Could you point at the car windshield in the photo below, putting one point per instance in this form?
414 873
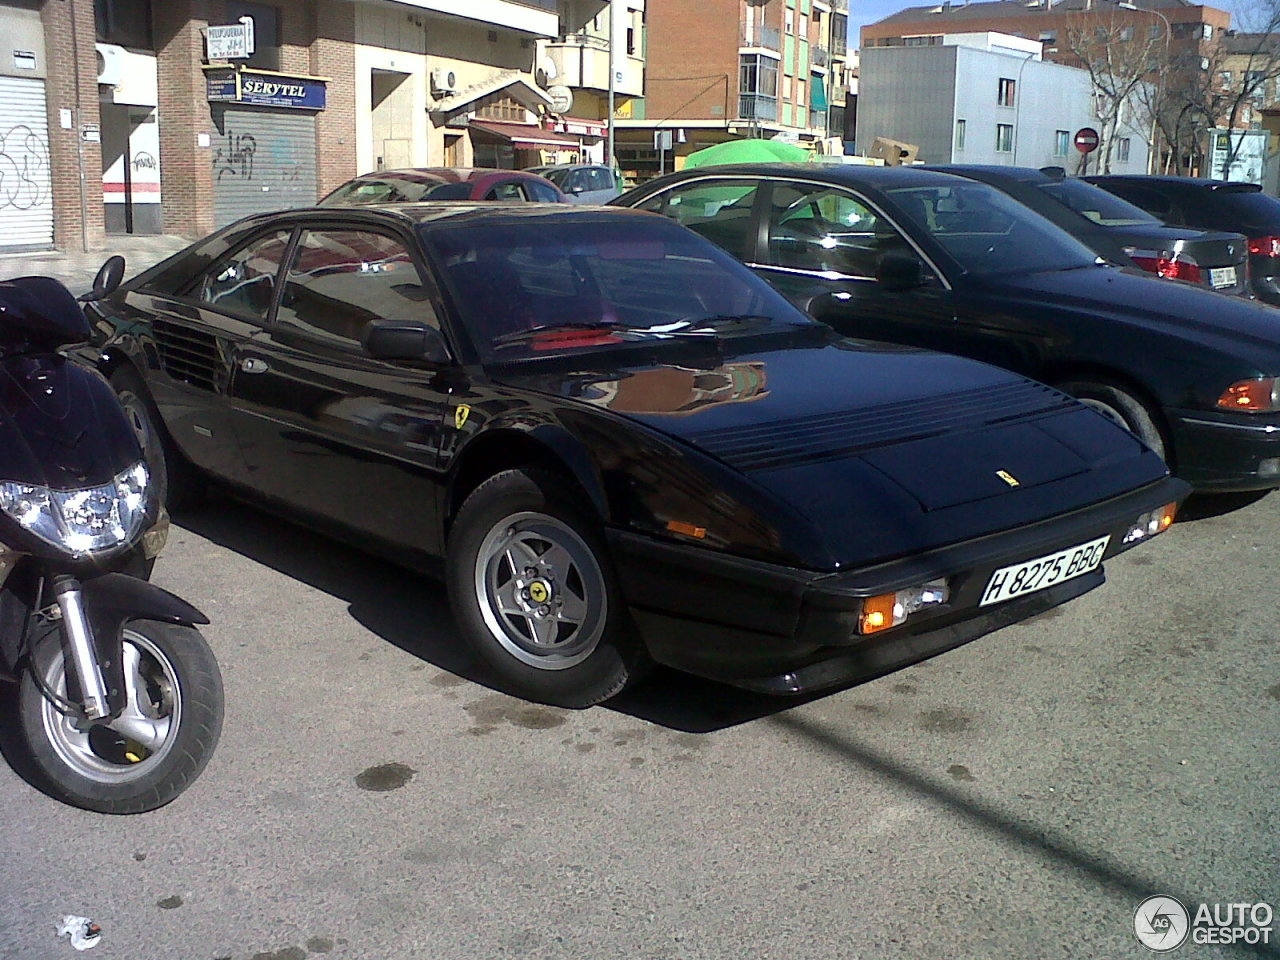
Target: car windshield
555 176
1253 209
987 232
529 287
1097 204
358 192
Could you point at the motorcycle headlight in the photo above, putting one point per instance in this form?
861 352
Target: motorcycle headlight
81 521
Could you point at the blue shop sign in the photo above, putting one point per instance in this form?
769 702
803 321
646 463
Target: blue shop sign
266 90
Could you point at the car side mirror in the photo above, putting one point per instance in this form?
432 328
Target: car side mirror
900 271
404 340
108 279
832 303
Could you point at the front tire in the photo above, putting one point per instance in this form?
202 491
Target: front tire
535 595
154 750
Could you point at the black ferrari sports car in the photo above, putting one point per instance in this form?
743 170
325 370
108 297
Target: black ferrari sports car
618 445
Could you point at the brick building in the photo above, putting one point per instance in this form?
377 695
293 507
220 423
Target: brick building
719 70
114 118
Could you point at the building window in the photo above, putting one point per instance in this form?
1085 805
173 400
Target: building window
757 87
1206 31
959 134
1006 92
1004 137
839 34
1126 34
1061 141
790 21
266 32
1122 150
495 107
1204 63
126 22
1225 77
1049 38
1154 31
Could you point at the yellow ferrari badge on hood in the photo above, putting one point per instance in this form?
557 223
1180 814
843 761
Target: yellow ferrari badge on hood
460 414
1008 478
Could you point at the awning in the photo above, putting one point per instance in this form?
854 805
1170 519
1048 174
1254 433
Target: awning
523 136
817 93
517 85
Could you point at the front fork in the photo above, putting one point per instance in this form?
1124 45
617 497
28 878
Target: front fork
79 636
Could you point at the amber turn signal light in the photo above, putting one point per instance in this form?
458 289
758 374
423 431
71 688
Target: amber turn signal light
1251 396
877 613
686 529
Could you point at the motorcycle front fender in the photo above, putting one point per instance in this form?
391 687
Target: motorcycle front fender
112 600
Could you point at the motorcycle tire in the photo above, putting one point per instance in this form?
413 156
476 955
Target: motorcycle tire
154 750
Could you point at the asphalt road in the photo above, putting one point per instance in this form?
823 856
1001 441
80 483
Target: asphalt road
373 798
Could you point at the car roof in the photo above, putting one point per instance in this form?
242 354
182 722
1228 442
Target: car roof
441 174
995 171
446 211
1189 183
854 175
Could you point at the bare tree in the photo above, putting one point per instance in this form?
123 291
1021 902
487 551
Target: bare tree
1120 54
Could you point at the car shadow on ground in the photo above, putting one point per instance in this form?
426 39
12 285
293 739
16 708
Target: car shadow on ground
411 612
1203 506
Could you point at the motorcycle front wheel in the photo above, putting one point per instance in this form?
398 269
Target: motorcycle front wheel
156 747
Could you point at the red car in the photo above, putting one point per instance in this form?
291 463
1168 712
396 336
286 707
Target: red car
444 183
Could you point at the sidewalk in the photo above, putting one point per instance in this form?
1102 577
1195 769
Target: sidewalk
77 270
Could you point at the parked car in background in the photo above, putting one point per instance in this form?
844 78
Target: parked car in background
583 182
618 444
444 183
1213 205
919 257
1121 232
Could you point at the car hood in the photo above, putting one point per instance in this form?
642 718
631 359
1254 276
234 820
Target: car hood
884 450
1170 309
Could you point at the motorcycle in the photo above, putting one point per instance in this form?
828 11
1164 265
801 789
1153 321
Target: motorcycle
113 698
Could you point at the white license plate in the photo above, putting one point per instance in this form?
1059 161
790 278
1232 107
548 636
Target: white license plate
1222 277
1043 572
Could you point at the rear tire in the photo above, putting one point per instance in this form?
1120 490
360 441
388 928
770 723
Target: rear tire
535 595
1122 409
180 484
157 747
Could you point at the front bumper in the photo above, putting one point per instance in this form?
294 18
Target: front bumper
786 630
1225 452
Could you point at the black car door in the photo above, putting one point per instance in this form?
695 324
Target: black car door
333 433
823 239
200 315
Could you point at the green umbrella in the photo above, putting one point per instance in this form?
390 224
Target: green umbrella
747 151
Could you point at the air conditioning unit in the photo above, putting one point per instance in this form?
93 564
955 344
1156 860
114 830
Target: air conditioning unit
111 62
443 81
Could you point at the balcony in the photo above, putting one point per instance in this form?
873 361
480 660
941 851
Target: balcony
839 6
755 107
818 55
758 35
582 60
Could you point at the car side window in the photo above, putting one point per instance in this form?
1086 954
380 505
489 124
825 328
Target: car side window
243 282
600 178
1154 203
542 192
507 190
339 280
812 227
720 210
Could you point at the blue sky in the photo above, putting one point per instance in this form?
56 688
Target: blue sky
869 11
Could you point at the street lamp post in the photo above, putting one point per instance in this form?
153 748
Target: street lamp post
1168 30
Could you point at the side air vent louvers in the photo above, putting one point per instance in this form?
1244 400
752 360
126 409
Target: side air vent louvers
838 435
190 356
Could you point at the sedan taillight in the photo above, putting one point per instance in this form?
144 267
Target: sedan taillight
1264 246
1172 266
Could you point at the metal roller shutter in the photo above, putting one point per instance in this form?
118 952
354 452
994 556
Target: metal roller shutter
26 199
263 160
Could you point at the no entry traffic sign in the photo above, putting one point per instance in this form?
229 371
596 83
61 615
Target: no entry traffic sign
1086 139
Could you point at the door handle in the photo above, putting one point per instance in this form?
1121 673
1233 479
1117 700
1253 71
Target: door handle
253 365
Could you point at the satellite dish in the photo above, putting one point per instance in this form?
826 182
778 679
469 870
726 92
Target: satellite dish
561 98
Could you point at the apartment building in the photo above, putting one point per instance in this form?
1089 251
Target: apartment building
987 98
